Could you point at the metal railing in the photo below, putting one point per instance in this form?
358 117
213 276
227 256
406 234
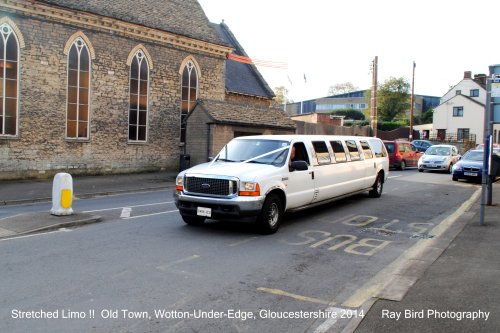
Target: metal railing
452 137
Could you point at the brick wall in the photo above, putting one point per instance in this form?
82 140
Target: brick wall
41 148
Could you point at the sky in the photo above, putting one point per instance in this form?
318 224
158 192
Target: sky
335 41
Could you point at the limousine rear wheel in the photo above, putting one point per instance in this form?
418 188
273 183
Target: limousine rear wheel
271 215
377 187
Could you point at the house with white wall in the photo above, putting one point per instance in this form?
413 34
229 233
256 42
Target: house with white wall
461 112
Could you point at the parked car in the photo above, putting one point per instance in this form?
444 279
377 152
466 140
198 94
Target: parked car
470 166
422 145
439 157
402 154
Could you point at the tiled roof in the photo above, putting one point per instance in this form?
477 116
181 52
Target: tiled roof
242 78
182 17
223 112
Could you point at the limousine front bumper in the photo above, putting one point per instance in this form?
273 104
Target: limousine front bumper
220 208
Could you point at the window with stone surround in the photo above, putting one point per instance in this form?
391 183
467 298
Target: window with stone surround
138 110
77 117
9 81
189 94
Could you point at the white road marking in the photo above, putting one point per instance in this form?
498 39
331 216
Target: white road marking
139 216
376 284
126 211
330 321
390 177
8 217
35 235
295 296
116 208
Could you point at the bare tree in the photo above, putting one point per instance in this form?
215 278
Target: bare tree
341 88
281 96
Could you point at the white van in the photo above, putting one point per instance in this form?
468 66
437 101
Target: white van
267 175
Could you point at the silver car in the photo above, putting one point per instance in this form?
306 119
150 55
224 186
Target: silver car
439 157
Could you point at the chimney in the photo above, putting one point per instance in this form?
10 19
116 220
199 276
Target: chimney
480 78
467 75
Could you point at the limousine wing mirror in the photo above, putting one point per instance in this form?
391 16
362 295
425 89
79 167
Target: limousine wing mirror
299 166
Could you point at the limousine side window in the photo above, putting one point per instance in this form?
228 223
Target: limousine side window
322 153
353 150
300 153
338 151
367 152
378 148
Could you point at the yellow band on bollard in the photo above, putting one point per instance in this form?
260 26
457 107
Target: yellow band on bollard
66 198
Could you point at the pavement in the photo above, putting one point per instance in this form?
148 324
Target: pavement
457 292
450 285
32 191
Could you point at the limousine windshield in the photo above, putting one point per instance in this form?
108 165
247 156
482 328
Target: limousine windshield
255 151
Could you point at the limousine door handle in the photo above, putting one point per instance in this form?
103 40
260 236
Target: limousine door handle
312 174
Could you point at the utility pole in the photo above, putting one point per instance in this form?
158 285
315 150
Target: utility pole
492 116
374 97
412 101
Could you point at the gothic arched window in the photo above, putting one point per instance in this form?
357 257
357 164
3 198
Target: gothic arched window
189 94
9 81
78 120
138 110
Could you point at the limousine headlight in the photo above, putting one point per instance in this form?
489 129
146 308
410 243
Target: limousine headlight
249 189
179 183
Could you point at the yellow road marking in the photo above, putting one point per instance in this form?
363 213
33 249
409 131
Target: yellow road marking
243 241
295 296
180 261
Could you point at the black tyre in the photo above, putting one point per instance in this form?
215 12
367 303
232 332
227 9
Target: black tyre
271 215
455 178
193 220
420 170
377 187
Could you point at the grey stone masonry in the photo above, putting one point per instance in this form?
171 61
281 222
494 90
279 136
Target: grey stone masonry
41 149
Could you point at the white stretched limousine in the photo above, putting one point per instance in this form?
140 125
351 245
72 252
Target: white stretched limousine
267 175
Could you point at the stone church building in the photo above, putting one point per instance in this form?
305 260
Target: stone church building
93 87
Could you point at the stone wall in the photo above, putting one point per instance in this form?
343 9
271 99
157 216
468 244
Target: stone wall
242 99
41 149
197 137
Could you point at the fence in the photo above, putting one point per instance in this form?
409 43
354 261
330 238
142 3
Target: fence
327 129
452 137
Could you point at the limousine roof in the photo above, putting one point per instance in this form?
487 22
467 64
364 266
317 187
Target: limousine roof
292 137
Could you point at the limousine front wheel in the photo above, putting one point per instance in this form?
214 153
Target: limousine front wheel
377 187
270 217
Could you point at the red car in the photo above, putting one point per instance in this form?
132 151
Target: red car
402 154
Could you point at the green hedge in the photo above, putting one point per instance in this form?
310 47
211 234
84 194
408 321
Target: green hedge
390 125
349 114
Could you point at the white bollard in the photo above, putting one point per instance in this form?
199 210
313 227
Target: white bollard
62 194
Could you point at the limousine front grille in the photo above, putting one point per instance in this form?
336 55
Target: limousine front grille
211 186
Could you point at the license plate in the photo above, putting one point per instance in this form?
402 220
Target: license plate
472 174
204 211
433 166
